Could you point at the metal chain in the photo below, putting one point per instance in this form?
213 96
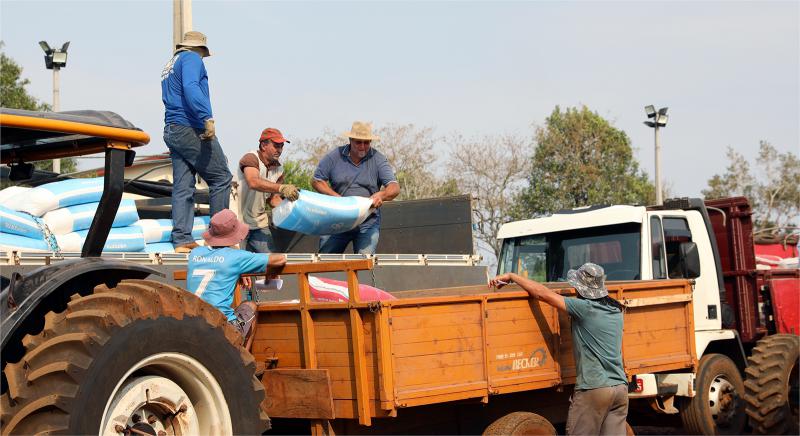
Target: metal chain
49 237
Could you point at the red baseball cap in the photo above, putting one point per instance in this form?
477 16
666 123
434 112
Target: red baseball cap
273 134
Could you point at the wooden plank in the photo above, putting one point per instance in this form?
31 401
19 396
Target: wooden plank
655 301
399 311
446 346
384 360
298 393
439 334
440 360
427 322
430 390
352 287
359 349
439 376
333 266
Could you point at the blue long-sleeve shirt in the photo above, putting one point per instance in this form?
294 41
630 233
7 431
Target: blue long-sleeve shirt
184 90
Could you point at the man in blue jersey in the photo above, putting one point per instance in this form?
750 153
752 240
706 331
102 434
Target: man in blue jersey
215 268
599 405
189 133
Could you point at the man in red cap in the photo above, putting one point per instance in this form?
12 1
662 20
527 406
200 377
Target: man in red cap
215 268
261 181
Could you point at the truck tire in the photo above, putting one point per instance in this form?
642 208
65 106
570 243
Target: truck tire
142 353
718 405
771 385
520 423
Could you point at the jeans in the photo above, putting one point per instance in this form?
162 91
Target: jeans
601 411
259 241
364 238
191 156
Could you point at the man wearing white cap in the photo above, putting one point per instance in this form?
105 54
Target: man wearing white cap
599 405
190 135
356 169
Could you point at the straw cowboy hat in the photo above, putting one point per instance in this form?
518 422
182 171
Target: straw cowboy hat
589 280
361 130
193 38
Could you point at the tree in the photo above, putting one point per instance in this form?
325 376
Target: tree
774 192
581 159
492 169
408 149
13 95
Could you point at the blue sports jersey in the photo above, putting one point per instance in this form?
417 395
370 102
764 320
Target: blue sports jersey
213 274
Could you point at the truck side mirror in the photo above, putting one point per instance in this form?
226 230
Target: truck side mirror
690 260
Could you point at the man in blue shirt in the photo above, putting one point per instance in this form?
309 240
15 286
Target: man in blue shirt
599 405
356 169
215 268
189 133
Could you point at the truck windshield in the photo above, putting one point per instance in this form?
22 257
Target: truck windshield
548 257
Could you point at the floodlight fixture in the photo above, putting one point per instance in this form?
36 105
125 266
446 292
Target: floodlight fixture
662 111
661 119
54 58
650 110
650 124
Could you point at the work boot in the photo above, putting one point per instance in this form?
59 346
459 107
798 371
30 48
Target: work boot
185 248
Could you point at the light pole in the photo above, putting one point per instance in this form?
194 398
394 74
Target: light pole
181 21
659 120
55 59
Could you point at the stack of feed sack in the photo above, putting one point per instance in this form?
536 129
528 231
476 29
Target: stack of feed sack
158 233
64 209
319 214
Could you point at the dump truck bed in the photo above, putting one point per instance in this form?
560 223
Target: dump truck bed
365 360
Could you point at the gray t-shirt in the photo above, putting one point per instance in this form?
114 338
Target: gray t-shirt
596 343
367 178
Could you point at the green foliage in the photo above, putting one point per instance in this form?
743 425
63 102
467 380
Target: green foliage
297 174
581 159
774 193
13 95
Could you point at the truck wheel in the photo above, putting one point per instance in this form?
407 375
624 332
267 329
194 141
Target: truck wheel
143 354
772 386
520 423
718 405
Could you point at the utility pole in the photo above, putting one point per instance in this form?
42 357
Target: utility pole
55 59
181 20
659 118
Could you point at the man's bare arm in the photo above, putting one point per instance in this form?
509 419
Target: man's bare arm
533 288
254 181
322 187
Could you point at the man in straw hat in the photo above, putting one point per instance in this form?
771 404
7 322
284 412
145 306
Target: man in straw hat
215 268
189 133
599 405
356 169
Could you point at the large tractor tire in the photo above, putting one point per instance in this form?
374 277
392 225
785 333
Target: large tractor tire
718 405
520 423
142 355
772 385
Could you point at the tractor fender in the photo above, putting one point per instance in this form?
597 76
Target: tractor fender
52 285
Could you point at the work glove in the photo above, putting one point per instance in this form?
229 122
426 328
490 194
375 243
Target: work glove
210 130
289 192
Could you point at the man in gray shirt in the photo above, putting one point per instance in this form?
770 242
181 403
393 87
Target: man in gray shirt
356 169
599 405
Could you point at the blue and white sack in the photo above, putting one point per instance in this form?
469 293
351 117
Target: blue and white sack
11 191
41 199
20 223
160 230
159 247
319 214
79 217
120 239
9 242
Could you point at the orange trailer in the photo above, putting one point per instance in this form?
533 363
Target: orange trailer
364 367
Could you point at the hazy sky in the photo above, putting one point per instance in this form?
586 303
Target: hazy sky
728 71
